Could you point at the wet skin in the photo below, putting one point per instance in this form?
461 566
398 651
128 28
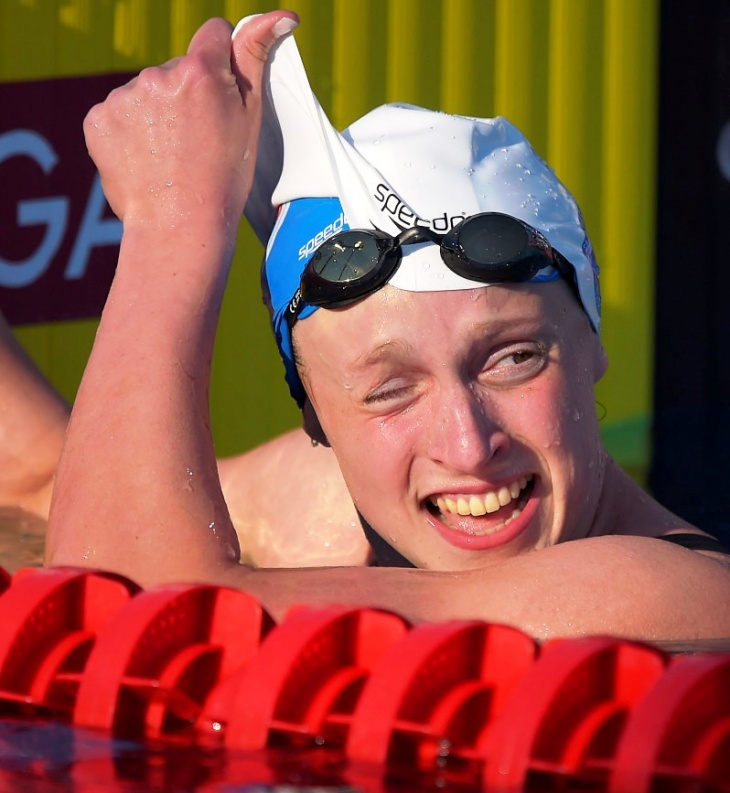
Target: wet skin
429 399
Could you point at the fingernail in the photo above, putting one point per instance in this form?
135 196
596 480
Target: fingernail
283 26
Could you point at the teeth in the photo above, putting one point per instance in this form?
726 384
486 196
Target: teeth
486 504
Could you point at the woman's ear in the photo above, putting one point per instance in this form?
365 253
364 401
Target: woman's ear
310 422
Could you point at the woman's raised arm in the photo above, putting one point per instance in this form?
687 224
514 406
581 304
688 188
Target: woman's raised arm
137 488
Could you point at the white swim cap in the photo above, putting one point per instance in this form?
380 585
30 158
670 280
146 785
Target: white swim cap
397 166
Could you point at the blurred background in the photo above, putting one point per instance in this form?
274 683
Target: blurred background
626 99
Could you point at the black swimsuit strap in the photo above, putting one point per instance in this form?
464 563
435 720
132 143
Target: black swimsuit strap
697 542
385 554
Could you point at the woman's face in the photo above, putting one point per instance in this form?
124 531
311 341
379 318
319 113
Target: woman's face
463 421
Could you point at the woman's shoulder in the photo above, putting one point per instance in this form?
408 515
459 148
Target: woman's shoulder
290 505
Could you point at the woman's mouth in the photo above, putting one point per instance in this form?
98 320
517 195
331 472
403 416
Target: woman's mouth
502 506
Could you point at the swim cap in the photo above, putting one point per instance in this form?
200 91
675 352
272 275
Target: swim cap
396 166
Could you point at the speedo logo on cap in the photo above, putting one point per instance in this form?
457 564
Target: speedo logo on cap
393 205
328 231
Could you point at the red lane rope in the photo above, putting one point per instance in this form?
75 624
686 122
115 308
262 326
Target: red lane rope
479 704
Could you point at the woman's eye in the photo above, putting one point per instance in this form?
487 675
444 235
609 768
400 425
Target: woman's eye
517 363
387 393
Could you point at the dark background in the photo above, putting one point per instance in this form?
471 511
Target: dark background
690 470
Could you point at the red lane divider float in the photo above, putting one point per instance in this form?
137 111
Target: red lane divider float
680 729
567 712
302 685
356 694
49 621
151 670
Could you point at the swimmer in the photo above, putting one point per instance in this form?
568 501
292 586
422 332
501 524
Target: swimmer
462 417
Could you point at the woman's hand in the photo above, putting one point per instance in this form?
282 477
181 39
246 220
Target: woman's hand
180 139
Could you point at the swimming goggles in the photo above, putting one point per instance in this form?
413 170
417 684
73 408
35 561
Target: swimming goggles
489 248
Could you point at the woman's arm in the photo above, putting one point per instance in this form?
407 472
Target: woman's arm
137 488
627 586
32 429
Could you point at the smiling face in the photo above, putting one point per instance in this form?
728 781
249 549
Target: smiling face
464 421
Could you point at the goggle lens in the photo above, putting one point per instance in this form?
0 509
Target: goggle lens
348 257
488 240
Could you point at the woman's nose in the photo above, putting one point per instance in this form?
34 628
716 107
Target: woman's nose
466 434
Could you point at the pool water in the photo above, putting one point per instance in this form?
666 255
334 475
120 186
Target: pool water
48 757
22 538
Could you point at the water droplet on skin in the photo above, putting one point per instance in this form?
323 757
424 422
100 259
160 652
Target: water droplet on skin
168 184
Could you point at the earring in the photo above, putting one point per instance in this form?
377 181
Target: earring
314 443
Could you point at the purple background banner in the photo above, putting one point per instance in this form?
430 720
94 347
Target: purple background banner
58 238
